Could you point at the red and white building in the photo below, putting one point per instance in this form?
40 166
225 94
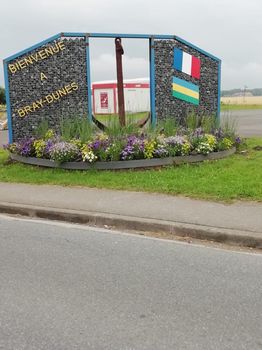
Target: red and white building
136 92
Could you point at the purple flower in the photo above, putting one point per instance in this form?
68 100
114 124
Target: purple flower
127 152
25 147
99 144
218 133
48 146
134 148
161 152
199 132
238 140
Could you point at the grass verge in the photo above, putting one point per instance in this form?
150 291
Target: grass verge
238 107
112 118
238 177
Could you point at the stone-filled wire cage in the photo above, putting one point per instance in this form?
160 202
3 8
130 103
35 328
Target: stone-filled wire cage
51 80
186 80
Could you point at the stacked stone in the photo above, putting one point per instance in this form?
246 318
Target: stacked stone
60 70
169 106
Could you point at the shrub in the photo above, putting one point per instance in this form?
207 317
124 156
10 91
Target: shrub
225 144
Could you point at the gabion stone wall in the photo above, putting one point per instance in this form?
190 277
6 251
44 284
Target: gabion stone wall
169 106
48 83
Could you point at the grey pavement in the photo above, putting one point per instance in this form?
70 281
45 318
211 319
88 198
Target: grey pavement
3 137
65 287
239 216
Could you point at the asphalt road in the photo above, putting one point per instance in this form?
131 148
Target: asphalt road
66 287
248 122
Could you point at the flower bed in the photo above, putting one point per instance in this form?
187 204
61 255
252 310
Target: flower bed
130 164
140 149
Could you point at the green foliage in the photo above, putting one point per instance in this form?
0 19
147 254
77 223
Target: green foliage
2 96
114 150
229 126
224 144
239 107
115 130
192 121
42 129
169 126
207 123
76 128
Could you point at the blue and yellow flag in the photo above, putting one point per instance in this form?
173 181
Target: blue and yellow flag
185 91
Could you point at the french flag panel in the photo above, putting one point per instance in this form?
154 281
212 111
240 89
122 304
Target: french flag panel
187 63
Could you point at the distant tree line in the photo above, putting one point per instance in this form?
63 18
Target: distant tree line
2 96
228 93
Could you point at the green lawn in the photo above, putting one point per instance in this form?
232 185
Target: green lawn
107 118
239 107
236 177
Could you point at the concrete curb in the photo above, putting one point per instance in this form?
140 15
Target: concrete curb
221 235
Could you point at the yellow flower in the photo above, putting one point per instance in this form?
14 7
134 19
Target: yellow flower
211 140
149 149
49 134
39 146
227 143
186 148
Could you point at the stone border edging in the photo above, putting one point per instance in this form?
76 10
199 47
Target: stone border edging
126 164
229 236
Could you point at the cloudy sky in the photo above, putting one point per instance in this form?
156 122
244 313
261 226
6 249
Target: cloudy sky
229 29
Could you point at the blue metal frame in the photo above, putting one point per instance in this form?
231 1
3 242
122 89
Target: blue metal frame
111 35
88 79
219 91
8 105
142 36
151 39
152 81
182 41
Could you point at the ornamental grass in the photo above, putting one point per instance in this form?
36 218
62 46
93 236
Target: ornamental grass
80 141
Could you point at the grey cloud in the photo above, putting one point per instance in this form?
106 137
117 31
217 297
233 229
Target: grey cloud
228 29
